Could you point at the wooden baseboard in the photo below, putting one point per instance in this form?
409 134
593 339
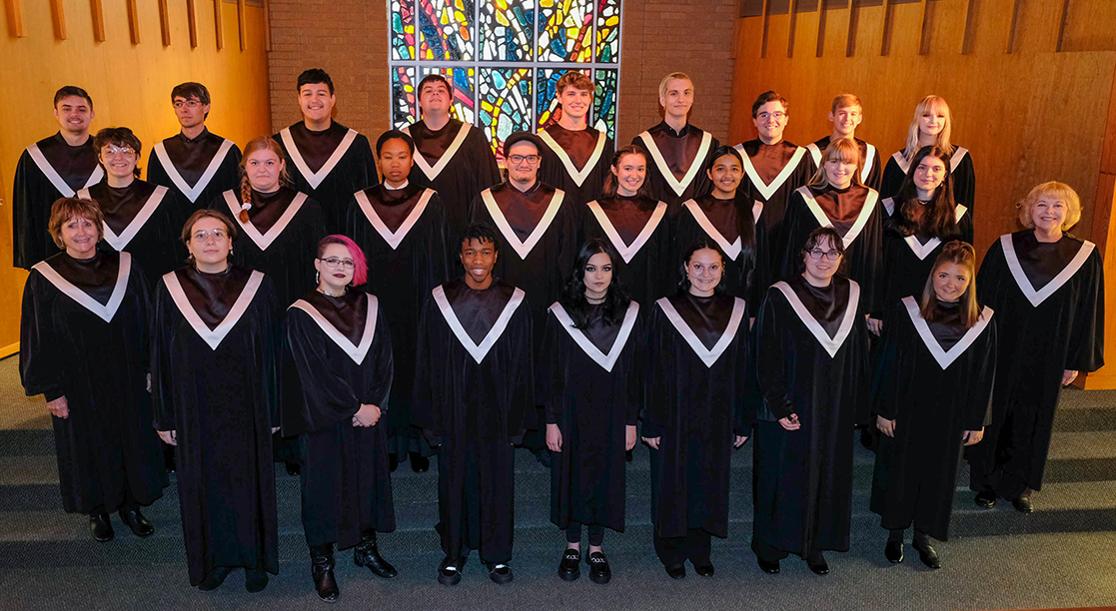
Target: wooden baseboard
9 350
1105 379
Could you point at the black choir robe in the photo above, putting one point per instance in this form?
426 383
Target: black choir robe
84 335
639 229
146 220
576 162
676 161
813 347
858 218
960 169
213 379
1049 303
47 170
695 402
735 227
340 348
772 172
937 383
474 396
590 382
457 162
402 233
871 173
329 166
908 258
280 238
198 169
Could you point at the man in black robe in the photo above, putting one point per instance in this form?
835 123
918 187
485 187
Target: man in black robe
326 160
196 163
473 398
845 114
576 157
54 167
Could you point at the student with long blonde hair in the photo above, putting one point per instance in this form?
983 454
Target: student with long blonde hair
932 125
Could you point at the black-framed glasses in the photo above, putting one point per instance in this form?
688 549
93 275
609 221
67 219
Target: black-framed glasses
816 254
338 262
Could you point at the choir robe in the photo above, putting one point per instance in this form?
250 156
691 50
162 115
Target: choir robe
46 171
639 230
772 172
871 173
726 223
695 404
146 220
577 162
474 396
84 335
814 363
590 382
858 218
908 258
1049 303
213 370
457 162
329 166
402 233
198 169
677 161
960 169
937 383
341 350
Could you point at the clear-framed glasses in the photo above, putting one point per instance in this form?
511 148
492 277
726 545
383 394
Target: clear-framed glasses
191 104
113 150
203 235
816 254
337 262
777 115
519 159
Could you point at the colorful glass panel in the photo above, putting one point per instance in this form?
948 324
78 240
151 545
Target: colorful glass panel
447 30
404 109
402 20
604 100
464 80
504 102
608 31
506 30
565 31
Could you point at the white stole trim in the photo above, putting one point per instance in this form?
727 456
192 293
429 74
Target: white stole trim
823 220
628 251
524 247
919 249
757 211
193 192
955 159
889 206
1036 297
606 361
120 242
731 249
432 171
477 351
55 178
357 352
263 240
945 358
708 356
316 178
815 153
767 190
577 175
678 186
830 344
901 161
393 238
213 337
103 311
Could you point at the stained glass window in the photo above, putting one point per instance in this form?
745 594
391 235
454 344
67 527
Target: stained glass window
504 58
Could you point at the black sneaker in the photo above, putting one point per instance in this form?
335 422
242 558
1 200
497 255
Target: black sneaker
599 572
499 572
569 569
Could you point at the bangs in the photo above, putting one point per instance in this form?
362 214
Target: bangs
845 152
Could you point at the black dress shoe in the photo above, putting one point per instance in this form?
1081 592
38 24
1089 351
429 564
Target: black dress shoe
771 568
321 571
255 580
705 570
678 571
419 463
599 571
817 564
449 571
393 462
367 553
499 572
293 468
569 569
214 578
133 519
928 555
985 499
542 457
101 527
894 551
1022 503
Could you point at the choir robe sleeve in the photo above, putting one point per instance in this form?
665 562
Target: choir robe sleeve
1086 344
426 409
978 410
40 365
31 192
655 414
771 367
550 375
162 336
796 230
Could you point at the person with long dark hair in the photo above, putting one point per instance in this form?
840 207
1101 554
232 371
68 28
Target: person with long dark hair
590 384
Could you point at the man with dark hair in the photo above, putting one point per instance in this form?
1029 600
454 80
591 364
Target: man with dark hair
473 399
454 158
576 156
51 168
326 160
195 163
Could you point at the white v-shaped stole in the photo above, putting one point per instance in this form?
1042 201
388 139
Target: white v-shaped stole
119 242
830 344
103 311
823 220
577 175
678 186
943 357
921 250
357 352
393 238
767 190
522 247
316 178
55 178
1038 296
732 249
475 350
606 361
193 192
432 171
263 240
708 356
628 251
213 337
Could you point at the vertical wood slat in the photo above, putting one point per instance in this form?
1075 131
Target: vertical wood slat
885 37
793 27
192 23
820 50
58 19
13 10
219 28
242 24
1062 20
1013 30
763 37
97 9
924 29
164 23
854 18
133 22
267 25
970 28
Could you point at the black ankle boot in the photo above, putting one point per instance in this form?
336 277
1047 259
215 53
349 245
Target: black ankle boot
367 554
321 570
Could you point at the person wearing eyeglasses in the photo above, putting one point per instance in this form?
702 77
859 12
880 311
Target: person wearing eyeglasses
575 158
216 396
140 217
339 343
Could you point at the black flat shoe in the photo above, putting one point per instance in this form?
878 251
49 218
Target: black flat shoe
985 499
293 468
255 580
1022 504
214 578
599 571
569 569
393 462
367 554
928 555
419 463
771 568
705 570
818 564
449 571
677 571
893 551
133 519
499 572
101 527
321 571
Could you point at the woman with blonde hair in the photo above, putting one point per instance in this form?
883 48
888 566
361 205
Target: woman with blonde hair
932 125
